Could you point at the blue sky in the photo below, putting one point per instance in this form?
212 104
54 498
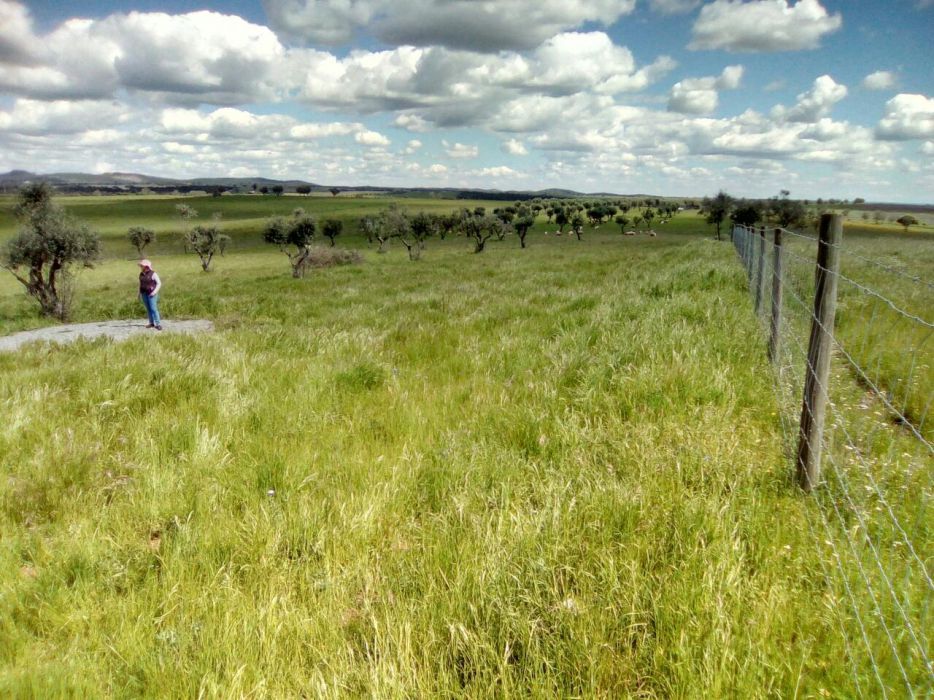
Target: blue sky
674 97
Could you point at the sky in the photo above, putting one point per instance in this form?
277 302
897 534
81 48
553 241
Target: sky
823 98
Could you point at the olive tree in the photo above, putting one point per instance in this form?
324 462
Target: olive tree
648 216
480 227
906 221
787 212
447 224
747 214
331 229
717 209
367 226
49 246
207 241
140 237
391 223
185 213
524 221
297 232
421 227
561 218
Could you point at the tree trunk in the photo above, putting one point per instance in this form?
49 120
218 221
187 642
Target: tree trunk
299 262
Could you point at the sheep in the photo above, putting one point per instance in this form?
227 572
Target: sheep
630 233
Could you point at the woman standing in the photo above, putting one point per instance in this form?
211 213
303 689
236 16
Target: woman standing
149 286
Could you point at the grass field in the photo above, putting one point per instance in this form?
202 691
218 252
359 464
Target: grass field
241 216
555 472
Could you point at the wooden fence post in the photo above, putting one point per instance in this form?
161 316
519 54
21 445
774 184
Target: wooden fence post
820 347
748 257
760 270
777 291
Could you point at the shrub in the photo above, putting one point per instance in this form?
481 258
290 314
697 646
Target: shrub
331 257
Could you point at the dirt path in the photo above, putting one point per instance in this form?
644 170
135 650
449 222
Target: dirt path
117 330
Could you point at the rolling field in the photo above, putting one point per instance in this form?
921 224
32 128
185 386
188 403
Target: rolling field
555 472
241 216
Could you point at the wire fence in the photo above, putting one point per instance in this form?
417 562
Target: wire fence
869 461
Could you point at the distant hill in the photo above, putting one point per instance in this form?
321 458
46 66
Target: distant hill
134 182
81 182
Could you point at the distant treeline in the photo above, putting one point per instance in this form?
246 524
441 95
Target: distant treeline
502 196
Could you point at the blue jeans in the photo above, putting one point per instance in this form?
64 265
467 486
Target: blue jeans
152 308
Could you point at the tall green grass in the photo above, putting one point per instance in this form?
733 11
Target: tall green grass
870 514
551 472
885 297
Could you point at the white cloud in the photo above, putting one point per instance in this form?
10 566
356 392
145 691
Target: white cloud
18 45
412 147
701 95
530 113
200 56
463 24
880 80
310 131
762 25
460 150
458 88
928 148
364 80
60 116
815 103
225 125
568 62
498 171
907 117
371 138
825 130
437 169
411 122
515 147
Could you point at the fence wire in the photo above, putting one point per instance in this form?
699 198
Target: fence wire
870 516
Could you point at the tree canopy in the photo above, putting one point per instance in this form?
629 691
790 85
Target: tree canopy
717 209
48 247
298 232
906 221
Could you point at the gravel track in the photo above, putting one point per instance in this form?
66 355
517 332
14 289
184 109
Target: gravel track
116 330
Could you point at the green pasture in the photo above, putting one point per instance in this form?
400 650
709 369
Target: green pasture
552 472
240 216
